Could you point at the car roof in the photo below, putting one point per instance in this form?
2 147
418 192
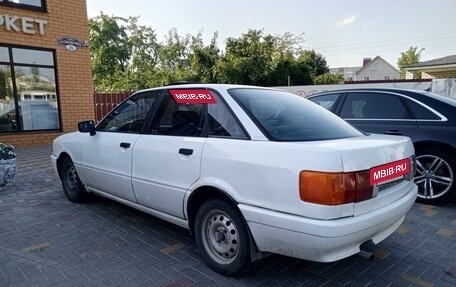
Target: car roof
406 92
372 89
209 86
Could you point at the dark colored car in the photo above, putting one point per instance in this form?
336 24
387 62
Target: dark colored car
428 119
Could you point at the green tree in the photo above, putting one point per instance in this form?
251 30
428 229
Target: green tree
128 56
5 83
125 55
267 60
290 72
315 61
203 59
247 60
110 49
407 58
329 79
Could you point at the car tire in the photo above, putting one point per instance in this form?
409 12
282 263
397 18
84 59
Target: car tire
435 176
222 237
72 186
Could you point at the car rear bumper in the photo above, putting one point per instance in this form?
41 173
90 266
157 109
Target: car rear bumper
324 240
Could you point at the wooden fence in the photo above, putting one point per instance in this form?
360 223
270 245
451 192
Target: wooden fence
104 103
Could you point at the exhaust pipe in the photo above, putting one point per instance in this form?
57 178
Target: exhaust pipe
367 255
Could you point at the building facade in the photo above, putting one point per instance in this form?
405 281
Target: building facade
439 68
45 72
347 72
377 69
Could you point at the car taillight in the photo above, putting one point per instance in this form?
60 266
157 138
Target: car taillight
334 188
410 176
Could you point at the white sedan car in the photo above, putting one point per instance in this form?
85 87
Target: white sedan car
248 170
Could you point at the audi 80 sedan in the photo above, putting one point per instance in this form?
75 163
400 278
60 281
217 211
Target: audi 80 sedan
248 170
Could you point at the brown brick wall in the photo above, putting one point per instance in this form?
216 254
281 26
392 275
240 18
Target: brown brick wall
75 91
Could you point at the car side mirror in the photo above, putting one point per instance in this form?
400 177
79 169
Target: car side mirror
87 127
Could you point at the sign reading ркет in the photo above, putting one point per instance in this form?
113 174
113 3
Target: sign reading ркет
193 96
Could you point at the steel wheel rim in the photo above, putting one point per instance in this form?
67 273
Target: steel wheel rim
72 180
434 176
220 237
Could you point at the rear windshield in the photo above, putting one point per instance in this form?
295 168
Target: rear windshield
286 117
447 100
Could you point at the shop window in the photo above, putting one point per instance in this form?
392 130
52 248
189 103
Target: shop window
35 57
4 55
28 91
31 4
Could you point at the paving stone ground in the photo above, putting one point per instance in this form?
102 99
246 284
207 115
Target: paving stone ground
46 240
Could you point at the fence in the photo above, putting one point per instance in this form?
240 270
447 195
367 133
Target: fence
104 103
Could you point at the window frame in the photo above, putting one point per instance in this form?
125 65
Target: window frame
158 113
205 129
12 66
372 94
150 112
230 111
334 105
9 3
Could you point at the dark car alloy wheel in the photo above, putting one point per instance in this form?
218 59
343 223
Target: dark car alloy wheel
434 177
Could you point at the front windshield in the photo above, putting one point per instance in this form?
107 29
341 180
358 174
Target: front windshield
286 117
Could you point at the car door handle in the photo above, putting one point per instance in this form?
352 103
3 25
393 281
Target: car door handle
186 151
393 132
125 145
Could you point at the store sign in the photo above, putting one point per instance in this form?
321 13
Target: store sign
71 44
25 25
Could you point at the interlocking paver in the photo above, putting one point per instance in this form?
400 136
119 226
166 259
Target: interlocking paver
46 240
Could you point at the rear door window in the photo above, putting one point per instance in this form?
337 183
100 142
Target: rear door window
177 119
367 105
222 123
326 101
420 112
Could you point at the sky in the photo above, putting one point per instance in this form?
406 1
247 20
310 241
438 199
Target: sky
343 31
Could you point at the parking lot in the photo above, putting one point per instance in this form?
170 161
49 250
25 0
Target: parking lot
46 240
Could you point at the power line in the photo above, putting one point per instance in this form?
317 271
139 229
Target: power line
401 40
391 47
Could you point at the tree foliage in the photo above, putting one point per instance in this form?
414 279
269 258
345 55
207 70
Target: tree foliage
407 58
128 56
110 48
5 85
315 61
329 79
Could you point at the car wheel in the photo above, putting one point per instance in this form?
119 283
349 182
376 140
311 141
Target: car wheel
435 172
72 186
222 237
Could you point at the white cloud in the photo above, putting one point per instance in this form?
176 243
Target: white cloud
347 21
